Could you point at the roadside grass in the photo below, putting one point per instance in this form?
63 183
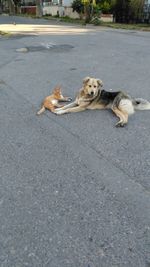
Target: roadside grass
139 27
64 19
32 16
49 17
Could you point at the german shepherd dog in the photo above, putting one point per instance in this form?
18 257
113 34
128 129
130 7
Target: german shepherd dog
91 96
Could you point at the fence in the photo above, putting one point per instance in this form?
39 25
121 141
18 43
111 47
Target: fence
146 13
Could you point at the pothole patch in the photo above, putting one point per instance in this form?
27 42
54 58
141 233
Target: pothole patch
46 48
22 50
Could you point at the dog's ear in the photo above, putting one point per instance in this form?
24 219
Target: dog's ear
86 79
100 83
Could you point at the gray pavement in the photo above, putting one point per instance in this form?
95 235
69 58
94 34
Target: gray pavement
74 190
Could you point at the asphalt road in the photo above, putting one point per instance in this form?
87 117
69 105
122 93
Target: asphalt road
74 190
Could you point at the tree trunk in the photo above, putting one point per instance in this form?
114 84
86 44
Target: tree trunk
11 7
39 11
87 13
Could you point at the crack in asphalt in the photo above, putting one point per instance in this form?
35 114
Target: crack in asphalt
8 62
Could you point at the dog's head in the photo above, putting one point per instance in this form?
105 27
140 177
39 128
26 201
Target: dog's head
92 86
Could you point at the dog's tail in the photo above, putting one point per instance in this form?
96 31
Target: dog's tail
141 104
41 110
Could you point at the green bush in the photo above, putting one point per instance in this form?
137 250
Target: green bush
127 11
17 2
78 6
96 21
96 11
105 7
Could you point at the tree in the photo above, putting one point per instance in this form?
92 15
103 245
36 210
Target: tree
88 10
83 7
126 11
78 6
120 10
17 2
136 9
105 7
39 11
11 5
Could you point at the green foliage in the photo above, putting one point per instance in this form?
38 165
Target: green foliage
78 6
136 8
96 11
101 2
113 4
96 21
121 10
90 10
88 7
17 2
105 7
127 10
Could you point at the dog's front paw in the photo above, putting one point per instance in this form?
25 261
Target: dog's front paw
57 109
59 112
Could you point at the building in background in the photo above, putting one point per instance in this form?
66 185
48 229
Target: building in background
28 6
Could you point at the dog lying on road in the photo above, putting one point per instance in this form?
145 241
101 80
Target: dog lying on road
91 96
52 101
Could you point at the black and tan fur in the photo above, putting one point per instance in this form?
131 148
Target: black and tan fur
91 96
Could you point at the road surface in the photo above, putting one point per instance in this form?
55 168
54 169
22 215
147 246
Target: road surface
74 190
